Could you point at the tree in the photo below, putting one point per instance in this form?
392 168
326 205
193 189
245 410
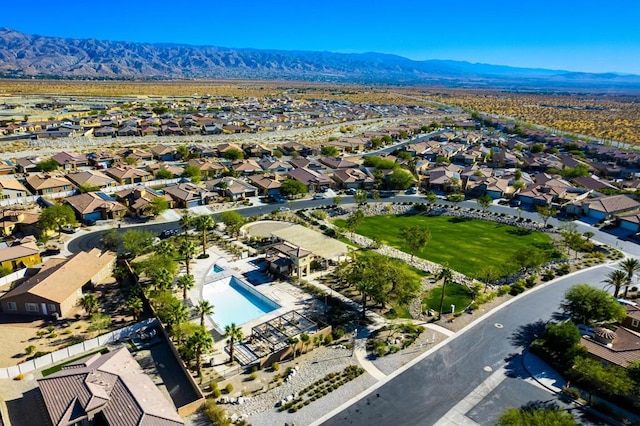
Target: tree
305 339
572 238
200 342
293 341
234 334
185 282
175 313
546 213
165 248
291 187
360 196
187 250
588 235
134 304
136 241
162 279
400 179
527 257
111 240
536 416
415 237
233 154
354 220
365 272
192 173
98 322
232 220
47 166
89 303
431 197
616 279
183 152
86 188
485 202
204 308
186 222
455 197
277 153
445 275
204 223
163 174
329 151
157 205
561 342
56 216
596 378
630 266
589 305
337 200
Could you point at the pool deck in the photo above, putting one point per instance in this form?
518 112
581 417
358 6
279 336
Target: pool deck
284 294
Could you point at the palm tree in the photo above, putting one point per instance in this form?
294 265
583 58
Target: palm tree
304 338
616 279
187 250
165 248
204 223
176 313
89 303
293 341
186 221
204 308
186 282
163 279
134 304
234 334
630 266
200 342
445 275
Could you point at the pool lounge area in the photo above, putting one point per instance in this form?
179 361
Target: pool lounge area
234 300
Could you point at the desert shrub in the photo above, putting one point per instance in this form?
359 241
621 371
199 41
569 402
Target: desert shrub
548 275
275 366
328 339
563 269
338 332
504 289
530 281
253 376
229 388
516 288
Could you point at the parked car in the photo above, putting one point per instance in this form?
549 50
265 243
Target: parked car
412 190
351 191
319 197
168 233
69 229
88 222
284 209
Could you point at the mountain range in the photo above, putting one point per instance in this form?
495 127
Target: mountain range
27 56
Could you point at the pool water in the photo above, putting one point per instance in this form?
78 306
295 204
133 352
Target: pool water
217 269
235 301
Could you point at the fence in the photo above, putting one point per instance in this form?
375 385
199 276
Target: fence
74 350
13 276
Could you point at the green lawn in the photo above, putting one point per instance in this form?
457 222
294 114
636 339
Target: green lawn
455 294
465 245
58 367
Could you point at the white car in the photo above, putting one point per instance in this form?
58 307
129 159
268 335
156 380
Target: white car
319 197
284 209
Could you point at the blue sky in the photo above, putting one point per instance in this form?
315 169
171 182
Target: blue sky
591 36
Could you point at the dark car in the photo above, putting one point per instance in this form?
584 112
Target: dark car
89 222
168 233
514 202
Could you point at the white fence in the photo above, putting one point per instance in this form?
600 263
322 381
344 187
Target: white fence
75 350
13 276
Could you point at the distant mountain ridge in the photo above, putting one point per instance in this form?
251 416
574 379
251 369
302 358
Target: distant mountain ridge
24 55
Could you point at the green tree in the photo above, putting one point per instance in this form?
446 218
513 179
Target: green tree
89 303
400 179
157 205
187 250
99 322
596 378
365 274
589 305
305 339
134 304
165 248
360 196
47 166
536 416
527 258
234 334
337 200
186 222
630 266
163 174
561 342
183 152
86 188
55 217
233 154
353 221
200 342
546 213
185 282
277 153
572 238
111 240
192 173
293 342
616 279
329 151
204 308
485 202
232 220
204 223
455 197
445 275
291 187
162 279
137 242
415 237
431 197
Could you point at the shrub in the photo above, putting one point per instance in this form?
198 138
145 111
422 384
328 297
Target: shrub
20 376
253 376
504 289
516 288
563 269
215 393
328 339
338 332
229 388
275 366
548 275
530 281
254 368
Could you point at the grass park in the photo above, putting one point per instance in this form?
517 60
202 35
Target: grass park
465 245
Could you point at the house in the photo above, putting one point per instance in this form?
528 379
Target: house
91 179
444 178
137 154
28 164
284 259
233 188
314 181
20 254
273 165
68 161
353 178
106 389
57 287
620 347
95 206
337 163
127 175
174 170
604 207
11 188
7 167
138 199
267 185
186 195
632 320
102 159
104 132
246 167
19 222
45 184
163 152
207 168
224 147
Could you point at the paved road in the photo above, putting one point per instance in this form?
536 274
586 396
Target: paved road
427 391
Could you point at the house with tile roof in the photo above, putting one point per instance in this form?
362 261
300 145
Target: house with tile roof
109 389
12 188
20 254
620 347
604 207
95 206
353 178
314 181
57 287
127 175
92 179
187 194
138 199
267 185
70 161
44 184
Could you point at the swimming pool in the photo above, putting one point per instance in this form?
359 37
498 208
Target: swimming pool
217 268
235 301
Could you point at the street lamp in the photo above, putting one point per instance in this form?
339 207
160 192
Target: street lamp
353 346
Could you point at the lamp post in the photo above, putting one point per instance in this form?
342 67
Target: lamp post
353 346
